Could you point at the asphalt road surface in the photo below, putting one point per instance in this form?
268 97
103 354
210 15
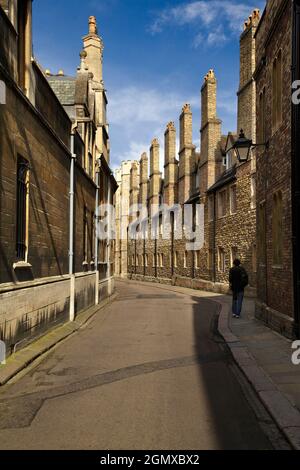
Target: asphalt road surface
148 372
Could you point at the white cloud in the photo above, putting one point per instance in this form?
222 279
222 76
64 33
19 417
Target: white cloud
217 37
132 105
198 40
137 115
227 102
205 16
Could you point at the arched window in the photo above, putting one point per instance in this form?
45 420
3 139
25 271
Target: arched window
262 117
262 233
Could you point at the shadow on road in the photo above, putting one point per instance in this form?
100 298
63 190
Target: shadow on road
233 420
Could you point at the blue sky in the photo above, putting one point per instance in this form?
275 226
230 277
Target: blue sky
156 55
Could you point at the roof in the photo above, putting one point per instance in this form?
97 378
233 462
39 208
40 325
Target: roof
227 177
230 140
194 198
64 88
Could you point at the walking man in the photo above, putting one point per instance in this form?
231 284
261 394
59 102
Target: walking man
238 280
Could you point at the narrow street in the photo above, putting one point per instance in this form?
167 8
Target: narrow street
148 372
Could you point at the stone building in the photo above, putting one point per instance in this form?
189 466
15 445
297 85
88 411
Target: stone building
121 204
50 269
278 189
213 178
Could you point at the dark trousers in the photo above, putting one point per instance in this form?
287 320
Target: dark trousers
237 303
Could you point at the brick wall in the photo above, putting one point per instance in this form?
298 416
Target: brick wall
275 283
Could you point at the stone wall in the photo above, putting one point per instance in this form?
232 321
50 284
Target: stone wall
29 310
275 303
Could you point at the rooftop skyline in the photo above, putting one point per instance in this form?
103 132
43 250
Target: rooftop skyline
155 59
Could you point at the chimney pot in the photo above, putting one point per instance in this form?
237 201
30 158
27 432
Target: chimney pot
171 126
186 108
93 25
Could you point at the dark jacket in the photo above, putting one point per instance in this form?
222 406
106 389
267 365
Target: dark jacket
238 279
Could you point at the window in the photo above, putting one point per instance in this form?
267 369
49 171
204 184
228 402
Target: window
22 209
146 261
197 259
277 229
161 224
277 92
210 260
185 257
262 117
222 199
211 209
221 260
233 200
233 254
85 235
175 259
253 192
161 260
198 179
229 160
254 258
90 163
262 233
103 251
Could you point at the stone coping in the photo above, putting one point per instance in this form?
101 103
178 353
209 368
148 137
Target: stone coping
10 287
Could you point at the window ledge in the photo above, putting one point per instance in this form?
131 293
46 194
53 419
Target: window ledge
22 265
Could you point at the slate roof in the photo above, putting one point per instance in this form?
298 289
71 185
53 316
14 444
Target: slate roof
227 177
64 87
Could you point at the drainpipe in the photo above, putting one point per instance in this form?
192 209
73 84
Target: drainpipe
172 243
97 232
71 226
214 240
193 252
135 256
109 240
144 256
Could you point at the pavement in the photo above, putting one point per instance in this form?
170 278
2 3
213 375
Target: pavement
148 371
265 357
